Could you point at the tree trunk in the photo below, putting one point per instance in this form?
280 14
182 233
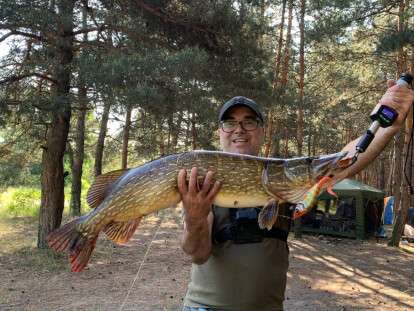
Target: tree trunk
402 209
286 59
268 134
286 142
401 199
392 169
300 121
170 129
275 150
381 177
193 132
78 153
160 136
100 145
176 131
125 138
397 185
279 47
52 178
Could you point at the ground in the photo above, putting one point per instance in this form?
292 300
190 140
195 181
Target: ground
325 273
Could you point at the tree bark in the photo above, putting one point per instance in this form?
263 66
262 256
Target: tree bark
286 148
401 200
300 120
125 138
286 58
176 131
397 184
100 145
193 132
78 153
52 178
279 47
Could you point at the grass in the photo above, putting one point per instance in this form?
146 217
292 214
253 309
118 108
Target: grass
19 211
19 202
19 249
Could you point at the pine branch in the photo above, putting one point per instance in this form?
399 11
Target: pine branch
15 78
6 36
24 34
210 36
87 30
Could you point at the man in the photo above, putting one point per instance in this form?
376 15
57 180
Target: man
242 268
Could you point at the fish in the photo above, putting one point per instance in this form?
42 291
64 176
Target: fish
121 198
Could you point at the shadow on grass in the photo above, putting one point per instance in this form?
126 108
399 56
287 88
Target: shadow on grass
19 250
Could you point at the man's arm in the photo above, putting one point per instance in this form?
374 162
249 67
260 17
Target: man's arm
198 218
401 99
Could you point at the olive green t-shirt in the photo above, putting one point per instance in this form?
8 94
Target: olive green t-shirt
240 277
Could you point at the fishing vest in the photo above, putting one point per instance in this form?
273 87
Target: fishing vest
246 270
241 225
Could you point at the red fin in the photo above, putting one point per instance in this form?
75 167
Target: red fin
80 247
268 215
60 238
99 189
121 232
80 252
331 192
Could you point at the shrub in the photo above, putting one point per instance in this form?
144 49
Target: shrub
21 201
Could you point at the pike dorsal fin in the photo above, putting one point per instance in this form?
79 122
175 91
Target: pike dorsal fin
98 191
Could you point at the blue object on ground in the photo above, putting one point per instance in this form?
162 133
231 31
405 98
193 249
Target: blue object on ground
389 212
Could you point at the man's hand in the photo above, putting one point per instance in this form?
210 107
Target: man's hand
398 97
196 200
198 218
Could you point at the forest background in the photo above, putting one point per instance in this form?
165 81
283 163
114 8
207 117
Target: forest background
92 86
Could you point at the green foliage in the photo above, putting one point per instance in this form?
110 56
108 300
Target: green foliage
20 202
392 41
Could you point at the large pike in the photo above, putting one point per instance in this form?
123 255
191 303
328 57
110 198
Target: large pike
121 198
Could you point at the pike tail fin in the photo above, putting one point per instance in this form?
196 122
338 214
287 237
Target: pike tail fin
80 246
121 232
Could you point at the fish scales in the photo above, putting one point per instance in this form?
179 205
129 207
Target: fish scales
121 199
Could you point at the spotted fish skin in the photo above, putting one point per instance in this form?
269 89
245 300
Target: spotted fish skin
121 198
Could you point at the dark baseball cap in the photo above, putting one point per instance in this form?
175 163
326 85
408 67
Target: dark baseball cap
241 101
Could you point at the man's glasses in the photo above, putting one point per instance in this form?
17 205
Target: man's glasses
229 126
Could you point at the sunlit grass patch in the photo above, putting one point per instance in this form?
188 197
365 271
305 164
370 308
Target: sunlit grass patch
20 202
25 202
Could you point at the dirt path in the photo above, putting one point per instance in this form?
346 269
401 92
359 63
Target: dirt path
325 274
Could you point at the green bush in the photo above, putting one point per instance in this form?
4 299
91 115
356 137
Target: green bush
21 201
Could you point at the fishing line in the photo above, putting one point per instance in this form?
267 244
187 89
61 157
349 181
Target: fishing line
140 266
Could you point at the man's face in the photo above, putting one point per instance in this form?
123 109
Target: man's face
240 140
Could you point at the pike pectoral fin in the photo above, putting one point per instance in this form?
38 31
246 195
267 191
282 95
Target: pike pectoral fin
80 246
121 232
268 215
98 190
310 198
